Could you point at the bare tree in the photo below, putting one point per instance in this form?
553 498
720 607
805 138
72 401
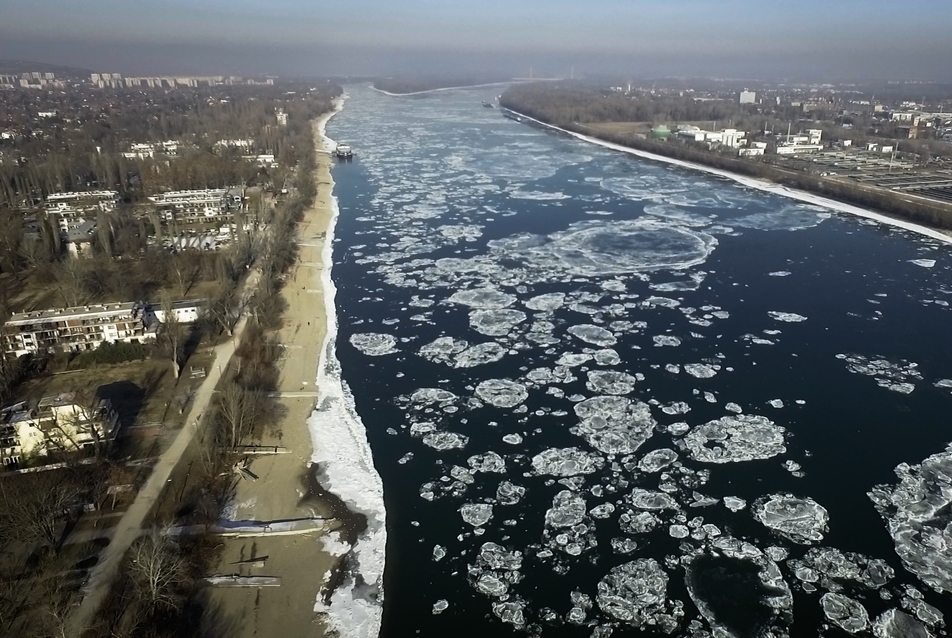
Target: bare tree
70 276
170 337
33 505
238 410
157 567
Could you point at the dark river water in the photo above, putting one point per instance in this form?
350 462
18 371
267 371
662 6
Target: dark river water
606 394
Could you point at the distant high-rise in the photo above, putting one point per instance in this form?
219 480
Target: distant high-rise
748 97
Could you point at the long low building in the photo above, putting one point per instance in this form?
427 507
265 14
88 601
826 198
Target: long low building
87 327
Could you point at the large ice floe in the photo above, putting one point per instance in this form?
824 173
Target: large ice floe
502 393
569 461
735 438
374 344
597 248
831 569
918 515
801 520
614 424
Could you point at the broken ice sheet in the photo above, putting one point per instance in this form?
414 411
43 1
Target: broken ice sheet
801 520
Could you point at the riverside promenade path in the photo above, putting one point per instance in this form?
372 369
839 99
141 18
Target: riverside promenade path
130 525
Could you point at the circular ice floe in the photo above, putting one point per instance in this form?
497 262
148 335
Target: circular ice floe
917 516
614 424
490 462
845 613
568 461
635 593
426 396
502 393
801 520
495 322
594 335
482 298
730 439
787 317
374 344
610 382
599 248
568 509
787 218
476 514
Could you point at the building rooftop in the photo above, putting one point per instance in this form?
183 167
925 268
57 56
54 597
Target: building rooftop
94 310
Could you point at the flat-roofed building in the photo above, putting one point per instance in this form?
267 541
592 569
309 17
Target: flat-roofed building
192 204
79 328
60 423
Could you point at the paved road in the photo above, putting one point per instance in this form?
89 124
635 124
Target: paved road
130 526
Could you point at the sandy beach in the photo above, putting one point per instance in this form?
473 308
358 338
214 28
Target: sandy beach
282 489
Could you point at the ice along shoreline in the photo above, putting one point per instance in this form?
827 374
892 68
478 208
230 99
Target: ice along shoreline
759 184
344 463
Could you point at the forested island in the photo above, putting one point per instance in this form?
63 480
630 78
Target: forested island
641 122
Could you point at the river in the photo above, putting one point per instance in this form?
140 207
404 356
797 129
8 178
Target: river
605 393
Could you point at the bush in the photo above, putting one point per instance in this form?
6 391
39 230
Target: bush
110 353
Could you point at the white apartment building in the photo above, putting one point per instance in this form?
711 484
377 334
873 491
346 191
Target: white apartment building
74 208
193 204
748 97
727 137
58 423
76 329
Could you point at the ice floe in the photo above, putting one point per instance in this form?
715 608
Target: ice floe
925 263
801 520
594 335
476 514
502 393
636 593
701 370
610 382
614 424
374 344
844 612
831 568
731 439
495 322
565 462
917 517
666 340
786 317
894 623
898 377
657 460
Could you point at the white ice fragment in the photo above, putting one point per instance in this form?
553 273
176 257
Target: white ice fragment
476 514
634 592
509 494
734 504
565 462
733 407
657 460
610 382
502 393
775 403
512 439
482 298
700 370
440 606
788 317
925 263
547 302
845 613
445 440
666 340
568 509
801 520
374 344
594 335
495 322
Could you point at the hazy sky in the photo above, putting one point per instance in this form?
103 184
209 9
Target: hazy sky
729 38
